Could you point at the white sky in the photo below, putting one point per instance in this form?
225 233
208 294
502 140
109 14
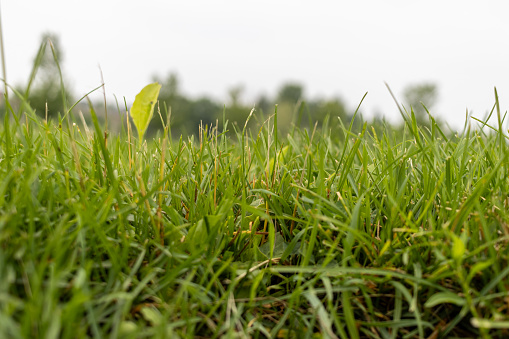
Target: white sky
343 48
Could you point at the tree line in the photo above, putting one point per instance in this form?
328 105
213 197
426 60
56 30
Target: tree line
44 92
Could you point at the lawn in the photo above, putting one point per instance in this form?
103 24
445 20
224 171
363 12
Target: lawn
338 231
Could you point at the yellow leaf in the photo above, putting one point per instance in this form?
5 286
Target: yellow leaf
143 107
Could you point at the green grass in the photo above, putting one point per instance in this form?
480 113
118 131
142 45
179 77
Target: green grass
317 233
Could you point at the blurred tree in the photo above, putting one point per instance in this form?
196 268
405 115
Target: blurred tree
186 113
317 110
236 111
44 86
235 93
201 111
334 108
291 93
170 98
170 88
421 94
287 99
264 104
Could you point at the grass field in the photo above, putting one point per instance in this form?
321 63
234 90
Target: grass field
324 232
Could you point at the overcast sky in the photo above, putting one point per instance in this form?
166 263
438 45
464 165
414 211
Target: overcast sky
334 48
